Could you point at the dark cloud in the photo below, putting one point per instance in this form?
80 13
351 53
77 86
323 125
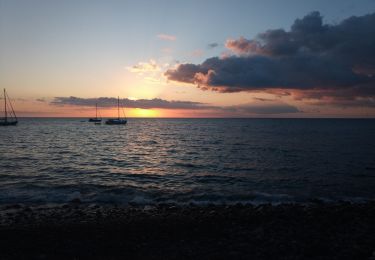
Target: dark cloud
263 99
346 103
234 73
264 109
352 97
139 103
265 106
310 56
212 45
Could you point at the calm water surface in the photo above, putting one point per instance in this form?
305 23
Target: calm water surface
187 160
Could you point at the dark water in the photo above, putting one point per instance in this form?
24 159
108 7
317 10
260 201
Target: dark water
188 160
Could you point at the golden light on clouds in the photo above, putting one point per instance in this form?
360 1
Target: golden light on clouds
145 67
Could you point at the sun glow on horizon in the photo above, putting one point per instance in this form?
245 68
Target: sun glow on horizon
140 112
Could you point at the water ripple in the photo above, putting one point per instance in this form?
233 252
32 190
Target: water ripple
187 160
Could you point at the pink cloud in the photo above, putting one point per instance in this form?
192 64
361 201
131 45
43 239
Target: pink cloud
167 37
243 46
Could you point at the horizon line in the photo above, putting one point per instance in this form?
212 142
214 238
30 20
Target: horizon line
75 117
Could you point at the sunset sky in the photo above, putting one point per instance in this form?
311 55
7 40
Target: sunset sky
192 58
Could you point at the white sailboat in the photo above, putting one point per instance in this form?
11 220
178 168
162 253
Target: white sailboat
10 117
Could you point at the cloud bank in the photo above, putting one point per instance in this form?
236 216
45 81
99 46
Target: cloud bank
129 103
262 109
311 60
259 106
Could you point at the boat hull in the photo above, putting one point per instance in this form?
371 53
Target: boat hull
95 120
116 122
8 123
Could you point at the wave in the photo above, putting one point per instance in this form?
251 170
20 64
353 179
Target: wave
137 196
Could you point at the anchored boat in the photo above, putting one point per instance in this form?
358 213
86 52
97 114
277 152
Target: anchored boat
118 120
10 117
96 119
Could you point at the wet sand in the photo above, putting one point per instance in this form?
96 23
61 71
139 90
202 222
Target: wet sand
288 231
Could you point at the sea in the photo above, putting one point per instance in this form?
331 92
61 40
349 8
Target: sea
187 161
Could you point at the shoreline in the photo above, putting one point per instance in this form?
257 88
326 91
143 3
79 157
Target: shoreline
286 231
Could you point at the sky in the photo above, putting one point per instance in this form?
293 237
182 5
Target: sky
175 58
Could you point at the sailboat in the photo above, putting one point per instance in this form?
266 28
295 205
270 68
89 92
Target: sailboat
10 117
118 120
96 119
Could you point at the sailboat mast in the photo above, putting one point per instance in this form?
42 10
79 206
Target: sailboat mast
5 106
96 110
118 107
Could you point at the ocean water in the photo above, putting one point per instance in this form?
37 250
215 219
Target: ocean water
203 161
